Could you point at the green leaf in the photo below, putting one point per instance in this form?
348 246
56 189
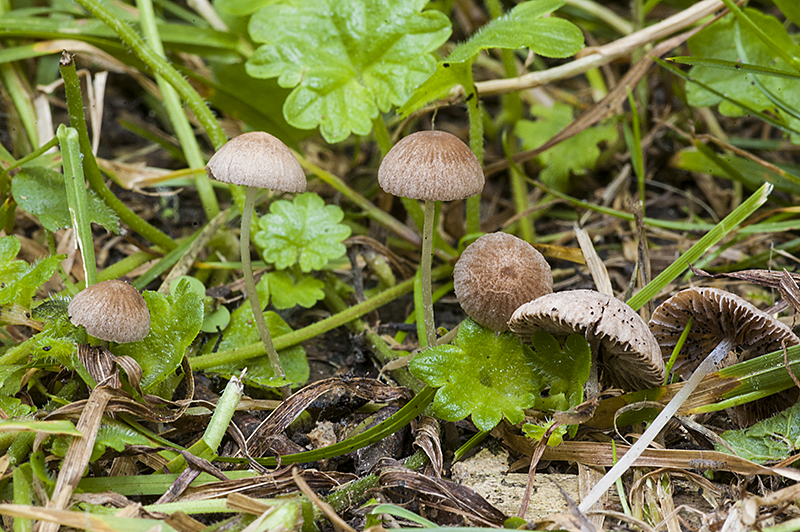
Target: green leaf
565 368
20 280
536 432
111 433
42 192
575 155
14 407
304 231
289 291
484 374
346 59
774 438
525 26
174 323
718 41
791 9
242 7
259 370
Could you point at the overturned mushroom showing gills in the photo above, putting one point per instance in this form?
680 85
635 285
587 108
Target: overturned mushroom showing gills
431 166
257 160
722 321
718 315
113 311
496 274
619 337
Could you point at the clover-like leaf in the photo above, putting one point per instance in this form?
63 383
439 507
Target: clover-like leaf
538 430
565 368
241 332
18 279
525 26
347 59
727 40
42 192
174 323
485 374
575 155
304 231
288 291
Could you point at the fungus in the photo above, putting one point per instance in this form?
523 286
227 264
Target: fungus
618 336
722 321
113 311
496 274
430 166
257 160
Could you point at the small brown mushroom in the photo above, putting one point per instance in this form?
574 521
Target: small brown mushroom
431 166
619 337
257 160
496 274
111 310
719 316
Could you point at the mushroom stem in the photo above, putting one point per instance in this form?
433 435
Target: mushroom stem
425 268
252 293
705 367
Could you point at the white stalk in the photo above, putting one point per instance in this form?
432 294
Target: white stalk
659 422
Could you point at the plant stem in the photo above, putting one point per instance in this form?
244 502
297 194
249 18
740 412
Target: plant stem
162 67
381 135
475 113
5 182
72 87
659 422
252 293
425 266
172 102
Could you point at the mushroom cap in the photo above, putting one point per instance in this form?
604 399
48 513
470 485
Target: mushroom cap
496 274
257 159
431 165
628 351
717 315
112 310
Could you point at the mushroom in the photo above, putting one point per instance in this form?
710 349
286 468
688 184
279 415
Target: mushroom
619 337
430 166
718 315
722 321
113 311
496 274
257 160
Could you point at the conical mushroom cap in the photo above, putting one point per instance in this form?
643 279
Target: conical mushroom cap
718 314
112 310
257 159
431 165
628 351
496 274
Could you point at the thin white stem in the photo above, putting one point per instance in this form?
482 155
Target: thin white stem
659 422
425 267
252 293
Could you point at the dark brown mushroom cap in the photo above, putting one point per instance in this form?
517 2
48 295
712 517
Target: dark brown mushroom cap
257 159
628 351
431 165
717 315
112 310
496 274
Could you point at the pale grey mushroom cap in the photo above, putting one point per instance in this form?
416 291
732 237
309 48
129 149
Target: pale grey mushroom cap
718 315
431 165
628 351
257 159
496 274
111 310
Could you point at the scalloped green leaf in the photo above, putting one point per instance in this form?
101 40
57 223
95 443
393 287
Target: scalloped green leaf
484 374
761 93
565 368
525 26
536 432
575 155
20 280
175 321
241 331
347 60
42 192
304 231
111 433
775 438
288 291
